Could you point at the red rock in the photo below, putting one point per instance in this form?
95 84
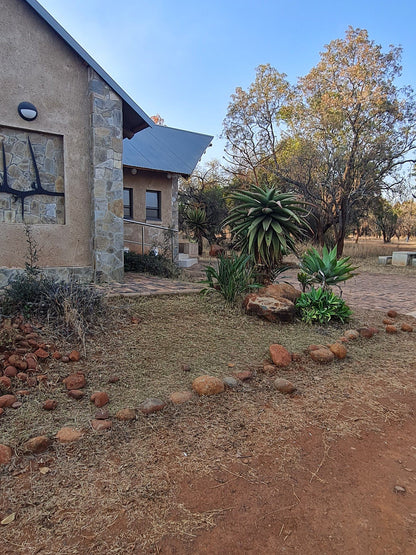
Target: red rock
374 330
14 360
151 405
322 355
269 308
269 369
33 343
284 386
24 344
351 334
68 435
76 393
17 405
392 313
23 392
208 385
74 356
126 414
296 357
22 365
5 382
49 404
37 444
56 355
99 398
180 397
101 425
41 353
27 328
102 414
281 291
7 400
391 329
406 327
244 375
366 332
21 376
31 364
113 379
314 348
75 381
31 336
388 321
339 350
280 356
5 454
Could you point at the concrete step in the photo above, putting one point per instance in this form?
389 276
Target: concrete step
187 262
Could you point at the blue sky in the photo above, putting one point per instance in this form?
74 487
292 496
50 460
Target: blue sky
183 59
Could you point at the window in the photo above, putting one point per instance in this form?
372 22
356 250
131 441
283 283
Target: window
128 203
153 205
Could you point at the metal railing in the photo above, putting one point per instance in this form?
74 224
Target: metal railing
142 242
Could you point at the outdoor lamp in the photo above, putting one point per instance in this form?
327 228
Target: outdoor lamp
27 111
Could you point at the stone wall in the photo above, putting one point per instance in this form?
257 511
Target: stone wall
20 171
106 179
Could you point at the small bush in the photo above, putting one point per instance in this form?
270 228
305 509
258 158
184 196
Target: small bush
234 277
320 306
70 307
156 265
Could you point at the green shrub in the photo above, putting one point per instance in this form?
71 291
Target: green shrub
325 270
234 277
320 306
156 265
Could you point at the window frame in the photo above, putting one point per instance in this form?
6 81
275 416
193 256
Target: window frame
130 205
150 216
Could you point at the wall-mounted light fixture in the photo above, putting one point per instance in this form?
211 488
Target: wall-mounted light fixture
133 171
27 111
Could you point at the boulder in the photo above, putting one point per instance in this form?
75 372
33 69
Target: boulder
151 405
5 382
49 404
76 393
74 356
284 386
280 356
126 414
391 329
322 355
37 444
75 381
406 327
5 454
392 313
366 332
101 425
269 308
339 350
208 385
243 375
100 398
281 291
7 400
68 435
179 397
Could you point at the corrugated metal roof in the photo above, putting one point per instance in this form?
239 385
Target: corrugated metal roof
133 114
167 149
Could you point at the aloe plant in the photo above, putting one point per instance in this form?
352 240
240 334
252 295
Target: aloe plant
325 270
320 306
266 224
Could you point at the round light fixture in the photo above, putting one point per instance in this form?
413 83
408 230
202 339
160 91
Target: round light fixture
27 111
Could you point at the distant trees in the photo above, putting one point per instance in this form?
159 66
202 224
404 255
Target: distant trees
338 138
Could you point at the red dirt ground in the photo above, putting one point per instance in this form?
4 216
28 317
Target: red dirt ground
343 501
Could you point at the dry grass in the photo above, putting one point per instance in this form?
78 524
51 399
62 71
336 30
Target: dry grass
120 492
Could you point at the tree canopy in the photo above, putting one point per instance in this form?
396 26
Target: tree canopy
338 138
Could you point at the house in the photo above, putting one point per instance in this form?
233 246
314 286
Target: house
79 159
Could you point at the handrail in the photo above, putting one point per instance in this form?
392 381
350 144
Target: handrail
151 225
144 224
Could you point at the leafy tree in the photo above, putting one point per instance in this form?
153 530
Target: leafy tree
266 224
385 219
406 223
339 140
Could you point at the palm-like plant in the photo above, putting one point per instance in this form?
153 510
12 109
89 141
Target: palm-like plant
196 221
266 223
326 269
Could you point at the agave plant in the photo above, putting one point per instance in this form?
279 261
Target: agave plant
326 269
266 223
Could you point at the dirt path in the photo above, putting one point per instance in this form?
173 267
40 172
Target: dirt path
342 501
